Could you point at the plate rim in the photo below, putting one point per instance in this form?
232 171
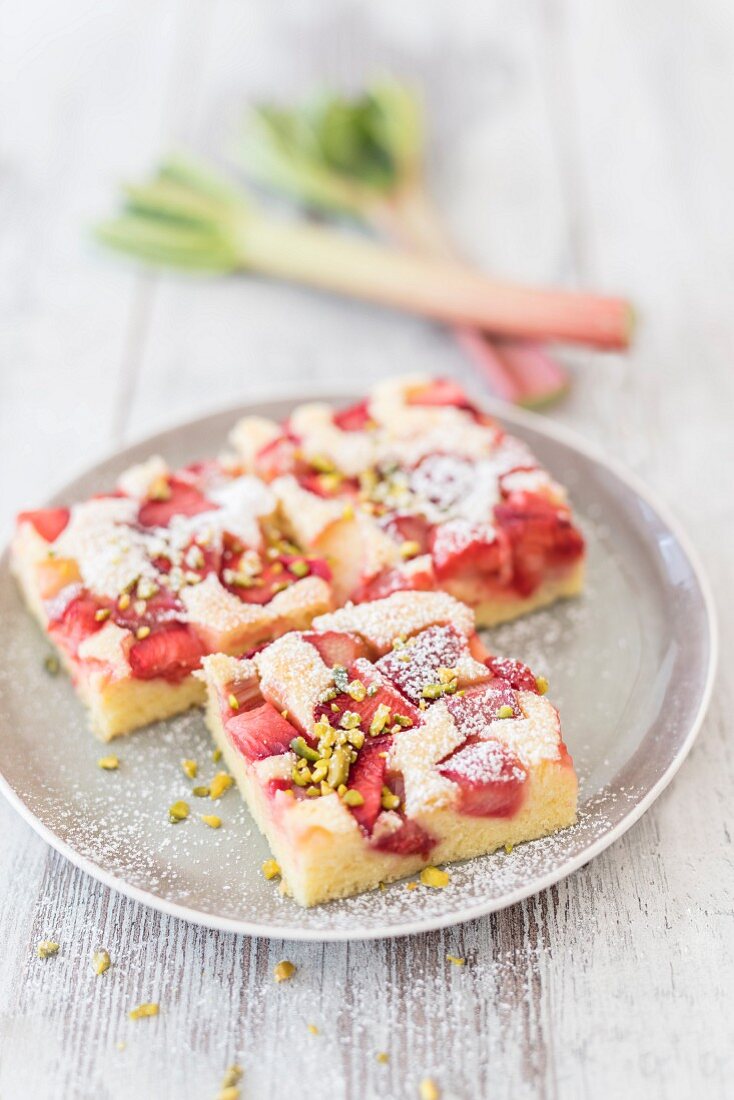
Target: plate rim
505 413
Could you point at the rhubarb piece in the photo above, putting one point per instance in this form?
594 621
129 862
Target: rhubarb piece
189 216
134 587
412 754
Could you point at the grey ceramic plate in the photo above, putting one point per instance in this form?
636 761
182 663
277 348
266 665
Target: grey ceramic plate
630 666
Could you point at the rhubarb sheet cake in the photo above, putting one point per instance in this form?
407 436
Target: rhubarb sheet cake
385 739
415 488
135 587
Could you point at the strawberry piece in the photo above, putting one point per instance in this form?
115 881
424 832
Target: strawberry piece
260 732
354 418
432 649
48 522
518 675
409 840
185 500
440 391
460 547
384 693
336 648
490 778
76 622
367 775
394 580
480 705
171 652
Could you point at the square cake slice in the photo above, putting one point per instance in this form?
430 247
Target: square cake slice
135 587
415 488
386 739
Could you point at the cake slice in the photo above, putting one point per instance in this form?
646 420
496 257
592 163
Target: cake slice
135 587
385 739
415 488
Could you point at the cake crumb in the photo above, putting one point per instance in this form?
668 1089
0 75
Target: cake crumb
148 1008
434 877
284 971
429 1090
47 948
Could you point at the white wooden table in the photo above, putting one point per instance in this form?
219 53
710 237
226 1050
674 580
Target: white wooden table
574 142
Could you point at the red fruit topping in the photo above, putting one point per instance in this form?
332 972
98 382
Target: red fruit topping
274 575
354 418
336 648
409 528
276 458
275 785
163 608
409 840
460 547
432 649
245 692
515 672
480 705
170 652
394 580
48 522
440 391
490 778
383 693
76 622
260 732
540 534
185 500
443 480
367 775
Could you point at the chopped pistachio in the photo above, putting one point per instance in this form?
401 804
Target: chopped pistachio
356 738
148 1008
299 568
270 869
446 675
211 820
433 876
372 690
231 1092
301 748
338 768
124 601
353 798
411 886
284 971
350 720
410 548
301 777
432 691
120 1044
341 679
109 763
217 756
312 1029
219 784
233 701
509 848
313 792
159 489
402 720
357 690
456 960
379 719
232 1076
142 632
319 771
505 711
330 482
146 589
382 1057
429 1090
47 948
101 614
541 684
200 792
388 800
322 463
179 811
101 961
190 768
51 664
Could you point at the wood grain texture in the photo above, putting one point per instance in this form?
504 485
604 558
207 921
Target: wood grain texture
587 143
